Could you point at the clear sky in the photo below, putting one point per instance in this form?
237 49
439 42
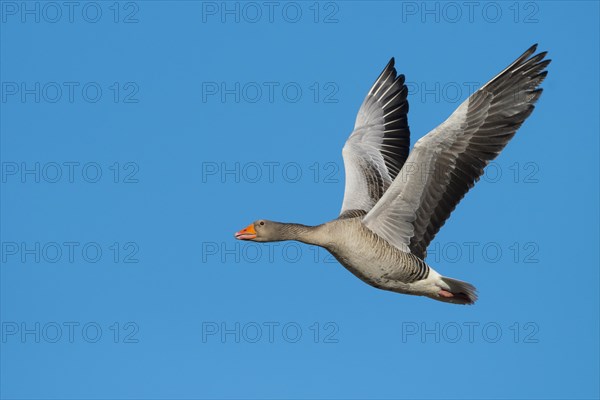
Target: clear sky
137 137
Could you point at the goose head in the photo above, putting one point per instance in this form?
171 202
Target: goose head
261 231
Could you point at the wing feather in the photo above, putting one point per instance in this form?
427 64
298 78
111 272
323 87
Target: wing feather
378 147
447 162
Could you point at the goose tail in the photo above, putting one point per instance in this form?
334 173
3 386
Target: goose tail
457 292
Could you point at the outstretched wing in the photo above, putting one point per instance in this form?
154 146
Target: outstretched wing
377 148
448 161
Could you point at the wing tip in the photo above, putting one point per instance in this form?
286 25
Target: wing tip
390 65
527 62
532 48
529 56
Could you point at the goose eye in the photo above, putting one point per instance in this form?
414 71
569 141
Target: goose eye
262 223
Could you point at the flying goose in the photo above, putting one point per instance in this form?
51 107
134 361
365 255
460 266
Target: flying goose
395 203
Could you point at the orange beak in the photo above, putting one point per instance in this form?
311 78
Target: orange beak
248 233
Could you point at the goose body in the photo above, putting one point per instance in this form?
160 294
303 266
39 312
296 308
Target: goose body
371 258
395 202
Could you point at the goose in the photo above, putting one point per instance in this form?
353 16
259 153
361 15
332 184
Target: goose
395 202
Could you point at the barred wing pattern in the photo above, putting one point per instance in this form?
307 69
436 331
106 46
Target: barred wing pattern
378 147
447 162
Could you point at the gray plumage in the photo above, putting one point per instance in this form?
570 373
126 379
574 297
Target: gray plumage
448 161
377 148
395 203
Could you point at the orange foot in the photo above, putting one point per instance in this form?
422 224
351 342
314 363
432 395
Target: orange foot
444 293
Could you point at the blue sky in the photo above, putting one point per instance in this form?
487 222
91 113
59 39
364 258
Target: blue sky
137 137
